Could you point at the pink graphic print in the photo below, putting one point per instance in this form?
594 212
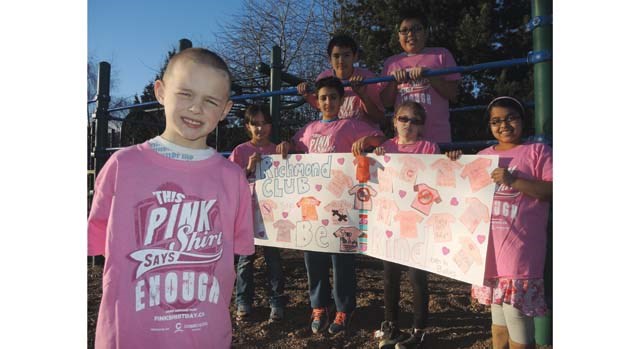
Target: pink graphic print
319 143
339 182
348 238
475 212
386 210
362 196
425 198
477 173
439 224
339 211
308 206
410 168
266 208
284 230
445 175
176 234
385 179
408 221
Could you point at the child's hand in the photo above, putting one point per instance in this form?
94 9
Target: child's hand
415 73
253 161
453 154
302 89
356 85
502 176
359 145
400 75
379 151
283 149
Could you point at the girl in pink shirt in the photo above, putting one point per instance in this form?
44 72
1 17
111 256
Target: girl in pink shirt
514 285
258 124
408 122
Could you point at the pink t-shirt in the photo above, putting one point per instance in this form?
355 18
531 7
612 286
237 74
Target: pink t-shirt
436 127
421 146
242 152
331 137
168 230
477 171
408 221
519 222
445 177
353 106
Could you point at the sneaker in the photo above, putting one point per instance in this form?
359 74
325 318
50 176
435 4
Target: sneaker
277 314
388 335
243 311
416 340
340 323
318 319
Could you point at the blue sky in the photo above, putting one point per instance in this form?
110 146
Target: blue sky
135 36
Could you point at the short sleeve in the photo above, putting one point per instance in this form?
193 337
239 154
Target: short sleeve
243 226
296 141
544 164
449 61
103 193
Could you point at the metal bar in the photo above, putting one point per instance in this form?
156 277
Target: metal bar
101 116
276 84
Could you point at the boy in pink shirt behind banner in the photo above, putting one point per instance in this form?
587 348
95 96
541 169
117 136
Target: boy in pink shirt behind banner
433 93
247 155
169 227
332 135
360 101
514 284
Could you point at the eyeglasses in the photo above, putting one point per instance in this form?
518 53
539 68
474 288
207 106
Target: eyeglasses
509 119
414 30
405 119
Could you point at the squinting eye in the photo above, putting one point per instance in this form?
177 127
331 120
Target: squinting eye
212 102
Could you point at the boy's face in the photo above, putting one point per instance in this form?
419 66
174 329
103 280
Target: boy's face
195 98
329 102
342 59
412 36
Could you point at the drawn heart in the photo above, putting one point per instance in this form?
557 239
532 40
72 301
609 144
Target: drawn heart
445 251
341 161
325 222
402 193
389 233
285 214
454 201
260 234
298 157
276 163
318 187
387 158
480 238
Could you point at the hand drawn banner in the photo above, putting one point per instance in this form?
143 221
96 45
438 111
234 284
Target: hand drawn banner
424 211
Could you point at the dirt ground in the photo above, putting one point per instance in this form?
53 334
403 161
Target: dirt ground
454 320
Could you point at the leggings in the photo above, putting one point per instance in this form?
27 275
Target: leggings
418 279
520 326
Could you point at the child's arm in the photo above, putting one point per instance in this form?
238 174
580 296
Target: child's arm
374 114
446 88
103 192
365 142
389 92
542 190
311 98
283 149
243 223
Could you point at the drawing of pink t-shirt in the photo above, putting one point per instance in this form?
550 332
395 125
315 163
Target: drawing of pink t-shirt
339 182
348 238
475 213
386 210
308 207
385 179
284 230
478 174
408 221
363 194
410 168
339 210
425 198
266 208
445 177
440 225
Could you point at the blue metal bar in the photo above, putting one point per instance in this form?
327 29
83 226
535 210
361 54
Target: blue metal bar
532 57
539 21
482 107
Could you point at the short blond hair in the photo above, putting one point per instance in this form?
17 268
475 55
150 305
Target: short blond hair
200 56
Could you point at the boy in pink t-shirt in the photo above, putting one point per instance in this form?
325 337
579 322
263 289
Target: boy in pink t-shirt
332 135
433 93
360 101
169 228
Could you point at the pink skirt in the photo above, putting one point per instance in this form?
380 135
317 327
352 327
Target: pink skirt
526 295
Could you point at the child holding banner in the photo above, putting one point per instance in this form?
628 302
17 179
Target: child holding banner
408 122
257 121
332 135
169 215
514 284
